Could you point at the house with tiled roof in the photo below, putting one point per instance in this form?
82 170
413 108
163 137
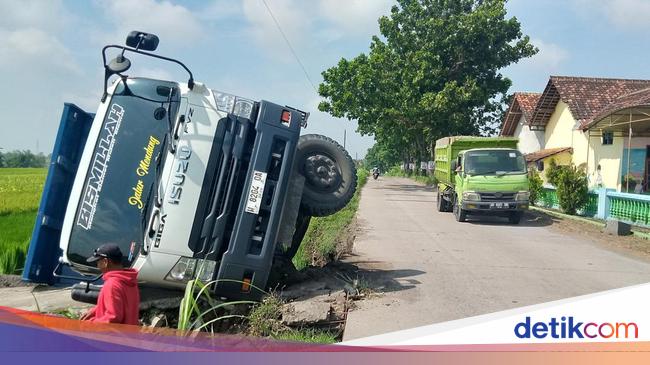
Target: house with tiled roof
602 124
516 123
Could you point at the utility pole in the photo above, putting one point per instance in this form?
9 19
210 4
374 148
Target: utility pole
344 136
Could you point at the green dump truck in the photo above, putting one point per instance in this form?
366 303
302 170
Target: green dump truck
481 176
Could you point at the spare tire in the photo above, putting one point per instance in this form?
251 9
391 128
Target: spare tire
330 175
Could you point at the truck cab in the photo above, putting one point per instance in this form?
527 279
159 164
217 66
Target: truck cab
491 181
191 182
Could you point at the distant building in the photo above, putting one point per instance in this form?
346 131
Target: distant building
517 124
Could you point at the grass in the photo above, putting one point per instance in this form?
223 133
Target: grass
324 233
20 193
20 190
308 335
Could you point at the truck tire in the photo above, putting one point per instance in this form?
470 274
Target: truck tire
80 294
442 203
302 223
330 175
515 217
459 213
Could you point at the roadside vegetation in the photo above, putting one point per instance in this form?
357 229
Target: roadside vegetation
428 180
325 234
20 193
572 186
535 185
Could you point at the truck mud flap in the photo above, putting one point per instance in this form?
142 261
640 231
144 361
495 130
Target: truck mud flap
43 253
246 264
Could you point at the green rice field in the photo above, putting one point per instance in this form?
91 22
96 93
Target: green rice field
20 193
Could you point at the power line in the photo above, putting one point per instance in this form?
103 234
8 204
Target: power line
295 55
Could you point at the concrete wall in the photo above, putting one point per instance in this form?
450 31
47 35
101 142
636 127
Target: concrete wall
559 130
609 159
529 141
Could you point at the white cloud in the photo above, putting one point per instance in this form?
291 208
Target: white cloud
549 59
49 15
289 14
355 17
174 24
155 73
625 14
221 9
32 48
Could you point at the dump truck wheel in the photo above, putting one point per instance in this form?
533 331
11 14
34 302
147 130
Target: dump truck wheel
330 175
515 217
302 223
442 203
459 213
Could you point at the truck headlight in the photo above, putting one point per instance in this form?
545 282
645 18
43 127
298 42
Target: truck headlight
243 108
233 104
225 102
471 196
206 270
186 268
522 196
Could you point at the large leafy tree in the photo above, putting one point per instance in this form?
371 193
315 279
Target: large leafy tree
434 72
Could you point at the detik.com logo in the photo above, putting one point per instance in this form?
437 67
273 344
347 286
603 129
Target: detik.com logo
568 327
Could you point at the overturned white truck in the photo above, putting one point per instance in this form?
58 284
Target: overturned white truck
180 176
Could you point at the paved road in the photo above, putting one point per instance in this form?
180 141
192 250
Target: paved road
434 269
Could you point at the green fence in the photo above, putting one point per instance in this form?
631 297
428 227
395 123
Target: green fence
548 199
633 208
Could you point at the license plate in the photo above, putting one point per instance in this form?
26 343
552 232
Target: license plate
499 205
255 193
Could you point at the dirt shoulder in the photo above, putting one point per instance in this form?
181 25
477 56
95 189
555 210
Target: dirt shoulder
632 246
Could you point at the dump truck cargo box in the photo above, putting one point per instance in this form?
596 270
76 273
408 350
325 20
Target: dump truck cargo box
44 252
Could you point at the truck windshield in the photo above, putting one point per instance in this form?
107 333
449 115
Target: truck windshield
122 175
492 162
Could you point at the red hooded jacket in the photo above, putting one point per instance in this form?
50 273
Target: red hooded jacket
119 299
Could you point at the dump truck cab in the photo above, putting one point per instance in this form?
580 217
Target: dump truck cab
190 182
481 181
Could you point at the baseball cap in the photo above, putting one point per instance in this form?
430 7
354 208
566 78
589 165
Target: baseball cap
109 250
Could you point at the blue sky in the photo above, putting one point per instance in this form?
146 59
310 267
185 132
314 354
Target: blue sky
50 51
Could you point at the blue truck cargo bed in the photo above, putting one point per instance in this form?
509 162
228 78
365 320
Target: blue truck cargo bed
44 252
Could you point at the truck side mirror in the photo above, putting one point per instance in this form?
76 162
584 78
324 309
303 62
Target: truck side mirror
142 40
454 165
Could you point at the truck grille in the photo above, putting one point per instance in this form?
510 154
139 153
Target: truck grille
497 196
223 186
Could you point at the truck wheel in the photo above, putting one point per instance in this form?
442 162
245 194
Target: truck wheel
515 217
459 213
330 175
302 223
442 203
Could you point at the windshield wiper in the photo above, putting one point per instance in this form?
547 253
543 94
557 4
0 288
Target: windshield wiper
496 172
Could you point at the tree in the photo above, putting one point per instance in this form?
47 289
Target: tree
23 159
382 156
434 73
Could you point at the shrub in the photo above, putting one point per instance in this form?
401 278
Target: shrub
554 171
535 186
572 189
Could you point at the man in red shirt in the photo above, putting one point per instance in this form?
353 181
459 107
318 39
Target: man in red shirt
119 298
